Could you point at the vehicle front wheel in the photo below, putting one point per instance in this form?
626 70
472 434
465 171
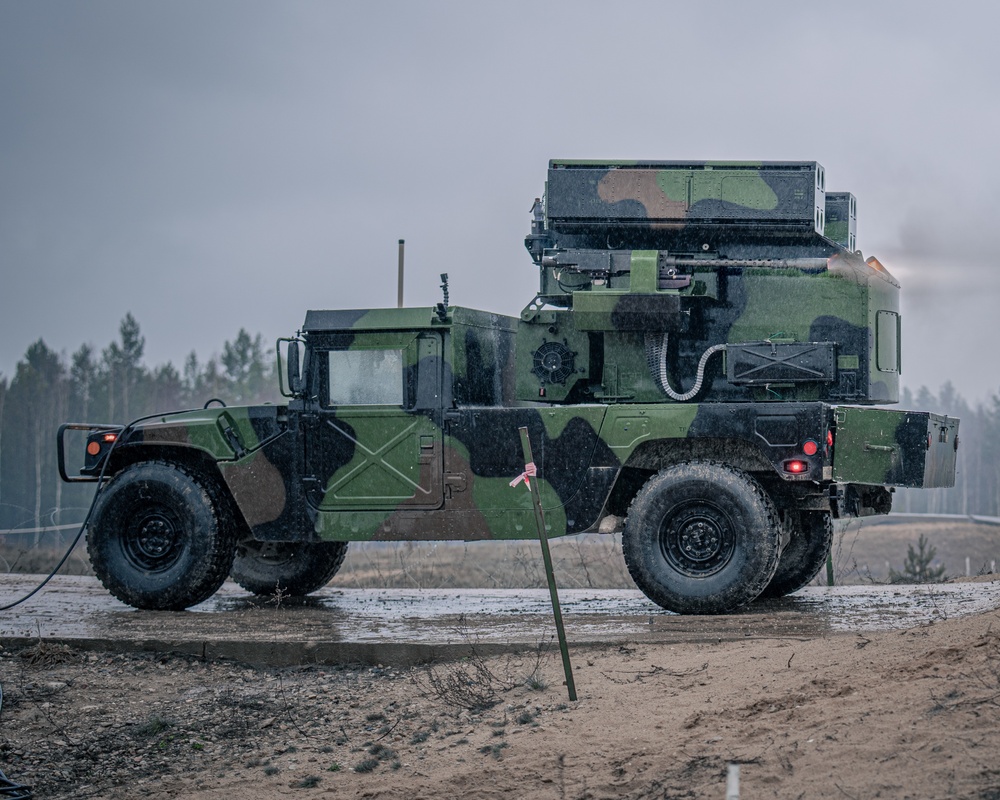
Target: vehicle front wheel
158 538
701 538
291 568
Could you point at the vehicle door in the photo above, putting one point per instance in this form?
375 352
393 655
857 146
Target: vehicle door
375 440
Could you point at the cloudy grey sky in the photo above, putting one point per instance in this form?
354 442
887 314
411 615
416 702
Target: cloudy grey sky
216 165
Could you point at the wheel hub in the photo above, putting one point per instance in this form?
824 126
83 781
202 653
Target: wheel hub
697 540
153 542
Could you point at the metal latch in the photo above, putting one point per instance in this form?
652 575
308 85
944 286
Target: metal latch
455 482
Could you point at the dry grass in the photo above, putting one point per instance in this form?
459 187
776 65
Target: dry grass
592 561
19 555
863 553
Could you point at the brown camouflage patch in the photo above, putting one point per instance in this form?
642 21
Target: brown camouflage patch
640 185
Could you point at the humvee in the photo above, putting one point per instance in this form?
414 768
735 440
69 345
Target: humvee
701 371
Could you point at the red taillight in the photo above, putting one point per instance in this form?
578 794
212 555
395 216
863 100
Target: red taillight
829 438
810 447
110 437
796 467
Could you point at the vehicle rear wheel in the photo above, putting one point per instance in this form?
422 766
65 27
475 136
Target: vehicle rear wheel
293 568
158 538
805 554
701 538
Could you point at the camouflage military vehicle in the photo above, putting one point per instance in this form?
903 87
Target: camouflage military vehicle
697 372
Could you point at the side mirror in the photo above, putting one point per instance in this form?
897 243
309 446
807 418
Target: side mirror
294 373
296 383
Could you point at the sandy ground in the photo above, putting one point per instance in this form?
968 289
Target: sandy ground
903 714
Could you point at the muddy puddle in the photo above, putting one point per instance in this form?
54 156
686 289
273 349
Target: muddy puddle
78 608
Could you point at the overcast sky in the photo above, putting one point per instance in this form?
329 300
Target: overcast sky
216 165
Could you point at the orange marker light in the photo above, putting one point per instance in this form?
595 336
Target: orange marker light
93 448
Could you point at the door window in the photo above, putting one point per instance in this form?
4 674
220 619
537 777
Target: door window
887 341
365 378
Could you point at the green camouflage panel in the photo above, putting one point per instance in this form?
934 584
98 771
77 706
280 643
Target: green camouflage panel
220 432
894 448
660 193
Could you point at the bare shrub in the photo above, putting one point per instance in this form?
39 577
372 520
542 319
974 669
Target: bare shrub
477 682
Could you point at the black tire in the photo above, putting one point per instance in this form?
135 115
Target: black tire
294 568
811 537
159 537
701 538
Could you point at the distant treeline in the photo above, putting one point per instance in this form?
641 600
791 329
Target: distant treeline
116 386
111 386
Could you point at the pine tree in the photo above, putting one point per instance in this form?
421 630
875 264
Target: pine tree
83 382
38 395
917 568
245 367
124 369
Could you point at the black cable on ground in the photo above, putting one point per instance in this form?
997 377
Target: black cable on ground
9 788
58 566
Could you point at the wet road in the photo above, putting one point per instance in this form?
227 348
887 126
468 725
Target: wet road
393 626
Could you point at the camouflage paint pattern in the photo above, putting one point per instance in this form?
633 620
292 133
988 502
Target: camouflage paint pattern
789 194
451 479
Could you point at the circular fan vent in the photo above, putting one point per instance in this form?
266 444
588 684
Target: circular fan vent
553 362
